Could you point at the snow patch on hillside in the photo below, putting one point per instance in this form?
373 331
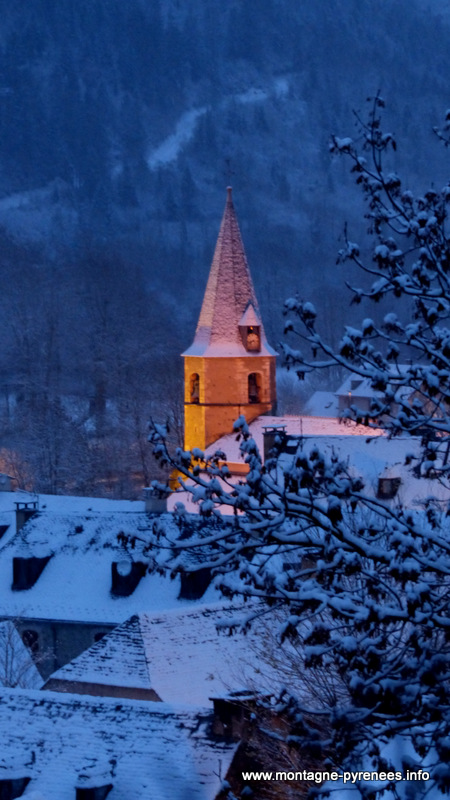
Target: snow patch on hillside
169 149
30 215
252 96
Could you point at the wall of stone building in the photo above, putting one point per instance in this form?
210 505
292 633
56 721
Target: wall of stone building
225 380
58 642
229 378
223 395
194 426
203 425
102 690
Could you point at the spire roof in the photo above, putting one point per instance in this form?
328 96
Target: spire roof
229 294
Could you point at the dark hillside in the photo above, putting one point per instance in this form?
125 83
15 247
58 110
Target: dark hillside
122 122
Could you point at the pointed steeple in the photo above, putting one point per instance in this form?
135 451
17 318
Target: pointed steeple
229 296
229 369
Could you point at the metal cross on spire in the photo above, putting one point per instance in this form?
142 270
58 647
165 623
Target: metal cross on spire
228 172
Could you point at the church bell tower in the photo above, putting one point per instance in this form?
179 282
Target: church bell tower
229 369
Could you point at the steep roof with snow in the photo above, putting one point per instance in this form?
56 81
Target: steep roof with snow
80 535
182 655
322 404
229 297
359 387
119 659
145 750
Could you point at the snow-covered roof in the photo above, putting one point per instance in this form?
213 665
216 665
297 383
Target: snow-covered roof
59 504
368 451
250 316
181 655
293 426
227 296
322 404
374 457
318 428
80 535
145 750
358 386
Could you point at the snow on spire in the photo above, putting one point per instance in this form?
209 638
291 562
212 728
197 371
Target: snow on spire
228 293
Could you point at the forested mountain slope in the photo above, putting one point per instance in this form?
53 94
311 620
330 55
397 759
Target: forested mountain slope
122 122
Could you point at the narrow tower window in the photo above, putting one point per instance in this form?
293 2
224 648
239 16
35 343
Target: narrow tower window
195 388
254 387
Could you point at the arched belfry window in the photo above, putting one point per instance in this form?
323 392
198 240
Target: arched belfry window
254 388
194 388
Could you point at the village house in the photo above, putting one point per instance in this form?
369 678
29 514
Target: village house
157 656
68 578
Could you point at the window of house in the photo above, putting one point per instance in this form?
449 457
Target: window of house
194 389
31 640
254 387
388 488
93 792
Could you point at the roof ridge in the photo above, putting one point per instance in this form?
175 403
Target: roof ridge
144 647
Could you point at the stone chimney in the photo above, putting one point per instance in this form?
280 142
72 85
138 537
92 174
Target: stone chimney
156 499
24 512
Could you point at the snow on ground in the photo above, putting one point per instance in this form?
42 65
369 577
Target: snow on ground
252 95
29 214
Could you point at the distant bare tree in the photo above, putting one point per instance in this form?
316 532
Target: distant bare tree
17 665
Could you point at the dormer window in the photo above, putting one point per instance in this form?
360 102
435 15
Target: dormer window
250 329
93 792
13 787
125 576
253 338
26 571
388 487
